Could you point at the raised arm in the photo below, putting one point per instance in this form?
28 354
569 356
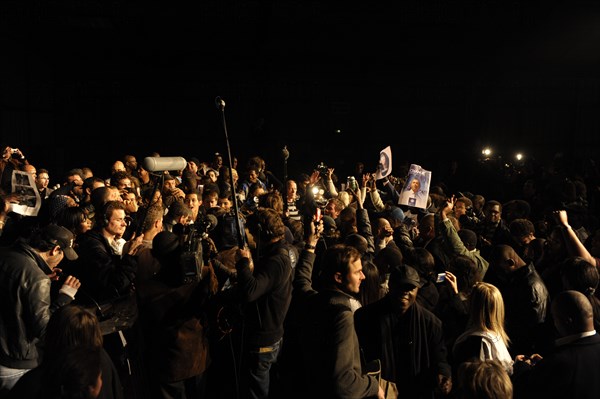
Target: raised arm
303 276
453 245
574 245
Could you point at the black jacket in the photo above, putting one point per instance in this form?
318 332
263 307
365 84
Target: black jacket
25 305
266 294
104 275
526 300
411 347
570 371
328 340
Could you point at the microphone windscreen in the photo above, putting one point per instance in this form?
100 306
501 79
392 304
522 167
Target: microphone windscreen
213 221
160 164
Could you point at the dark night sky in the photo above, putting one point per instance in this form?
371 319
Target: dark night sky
84 82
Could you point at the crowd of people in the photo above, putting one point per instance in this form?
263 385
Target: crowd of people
249 286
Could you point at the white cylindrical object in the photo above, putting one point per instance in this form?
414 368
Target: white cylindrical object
159 164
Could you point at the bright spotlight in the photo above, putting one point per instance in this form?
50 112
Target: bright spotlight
519 156
487 151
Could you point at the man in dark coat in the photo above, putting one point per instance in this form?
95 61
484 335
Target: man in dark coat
107 270
571 370
526 298
328 340
407 338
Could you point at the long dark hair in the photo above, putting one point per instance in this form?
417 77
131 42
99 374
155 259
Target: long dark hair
74 374
71 326
370 288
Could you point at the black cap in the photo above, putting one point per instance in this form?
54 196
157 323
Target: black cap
61 236
329 224
404 275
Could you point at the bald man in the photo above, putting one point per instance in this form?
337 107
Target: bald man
571 369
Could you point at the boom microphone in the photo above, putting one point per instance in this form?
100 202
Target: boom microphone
160 164
219 103
285 152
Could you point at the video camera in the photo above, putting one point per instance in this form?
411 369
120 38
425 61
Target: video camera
193 237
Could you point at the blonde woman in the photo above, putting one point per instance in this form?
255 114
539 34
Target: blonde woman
485 337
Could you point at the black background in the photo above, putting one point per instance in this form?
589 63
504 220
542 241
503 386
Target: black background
85 82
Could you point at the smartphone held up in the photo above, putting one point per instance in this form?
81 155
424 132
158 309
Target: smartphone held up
441 277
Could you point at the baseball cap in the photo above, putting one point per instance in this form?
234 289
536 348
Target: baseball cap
61 236
404 275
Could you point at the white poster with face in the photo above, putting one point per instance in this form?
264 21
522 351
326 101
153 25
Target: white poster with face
384 167
416 189
26 194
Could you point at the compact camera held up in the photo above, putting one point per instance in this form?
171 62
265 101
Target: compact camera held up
322 169
351 183
440 278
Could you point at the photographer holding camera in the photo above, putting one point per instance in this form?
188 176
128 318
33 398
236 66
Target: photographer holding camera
170 191
463 211
328 179
251 179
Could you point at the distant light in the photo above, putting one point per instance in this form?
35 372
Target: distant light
487 151
315 190
519 156
338 130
